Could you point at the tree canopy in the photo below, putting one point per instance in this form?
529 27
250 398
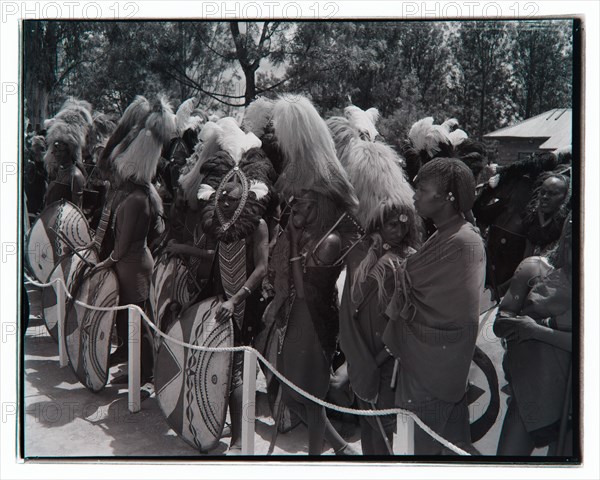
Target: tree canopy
487 74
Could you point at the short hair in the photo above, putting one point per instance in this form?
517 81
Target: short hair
451 175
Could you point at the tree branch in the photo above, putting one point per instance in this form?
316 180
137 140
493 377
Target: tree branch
189 82
242 53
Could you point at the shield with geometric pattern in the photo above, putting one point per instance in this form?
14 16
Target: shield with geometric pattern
192 386
87 331
66 270
60 226
170 286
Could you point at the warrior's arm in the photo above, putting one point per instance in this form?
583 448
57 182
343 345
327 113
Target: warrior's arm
295 260
513 301
562 340
185 249
77 188
261 253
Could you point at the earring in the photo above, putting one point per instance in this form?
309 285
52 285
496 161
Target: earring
450 196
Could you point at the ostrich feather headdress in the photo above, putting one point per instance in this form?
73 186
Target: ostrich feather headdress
427 140
230 155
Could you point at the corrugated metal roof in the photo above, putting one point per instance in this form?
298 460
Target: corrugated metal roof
554 125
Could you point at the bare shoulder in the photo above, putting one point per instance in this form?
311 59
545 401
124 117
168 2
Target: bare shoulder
136 202
530 268
262 230
78 176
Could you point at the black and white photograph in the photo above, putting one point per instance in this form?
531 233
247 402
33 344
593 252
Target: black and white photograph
299 237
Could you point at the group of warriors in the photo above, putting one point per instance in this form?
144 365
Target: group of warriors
251 224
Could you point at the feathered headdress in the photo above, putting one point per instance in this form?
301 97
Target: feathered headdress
231 156
257 116
309 157
355 124
131 123
136 155
342 134
185 118
258 119
363 121
70 125
99 133
427 140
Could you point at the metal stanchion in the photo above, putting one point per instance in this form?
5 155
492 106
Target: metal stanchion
249 402
134 365
63 360
405 433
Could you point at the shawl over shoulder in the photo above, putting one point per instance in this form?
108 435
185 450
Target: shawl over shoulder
434 313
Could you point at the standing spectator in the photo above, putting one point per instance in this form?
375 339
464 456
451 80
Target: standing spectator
535 319
434 313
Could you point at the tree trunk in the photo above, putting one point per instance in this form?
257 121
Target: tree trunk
40 40
250 93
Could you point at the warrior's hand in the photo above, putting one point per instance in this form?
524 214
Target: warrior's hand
173 248
524 328
102 265
225 311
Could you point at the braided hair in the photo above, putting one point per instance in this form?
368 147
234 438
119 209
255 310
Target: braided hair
452 177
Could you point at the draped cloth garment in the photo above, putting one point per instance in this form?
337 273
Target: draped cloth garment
434 313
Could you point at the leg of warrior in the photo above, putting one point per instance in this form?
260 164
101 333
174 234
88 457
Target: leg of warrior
236 401
514 439
331 435
236 414
316 419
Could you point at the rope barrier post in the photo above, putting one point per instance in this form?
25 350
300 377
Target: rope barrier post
133 365
63 361
405 428
249 402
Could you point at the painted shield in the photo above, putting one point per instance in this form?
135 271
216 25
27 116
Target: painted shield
192 386
88 331
170 285
67 270
44 248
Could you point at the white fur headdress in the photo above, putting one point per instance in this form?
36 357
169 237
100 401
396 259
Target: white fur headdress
70 125
379 181
137 155
257 116
310 161
427 140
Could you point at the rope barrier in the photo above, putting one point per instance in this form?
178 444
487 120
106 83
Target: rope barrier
273 369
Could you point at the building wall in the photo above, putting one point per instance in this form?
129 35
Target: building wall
511 150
